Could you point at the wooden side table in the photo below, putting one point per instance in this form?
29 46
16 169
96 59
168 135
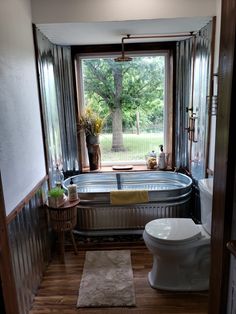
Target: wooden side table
62 219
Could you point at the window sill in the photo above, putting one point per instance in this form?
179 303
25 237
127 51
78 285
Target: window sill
135 168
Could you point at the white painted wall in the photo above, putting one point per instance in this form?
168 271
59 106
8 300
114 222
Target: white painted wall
21 147
71 11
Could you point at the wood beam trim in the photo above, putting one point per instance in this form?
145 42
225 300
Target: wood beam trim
25 200
116 48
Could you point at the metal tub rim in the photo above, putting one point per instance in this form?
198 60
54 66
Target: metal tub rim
179 185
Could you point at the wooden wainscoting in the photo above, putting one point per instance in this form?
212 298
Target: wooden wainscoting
29 241
59 288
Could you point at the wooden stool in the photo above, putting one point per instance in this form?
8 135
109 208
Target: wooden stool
64 218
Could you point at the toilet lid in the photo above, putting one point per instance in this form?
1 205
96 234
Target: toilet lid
173 230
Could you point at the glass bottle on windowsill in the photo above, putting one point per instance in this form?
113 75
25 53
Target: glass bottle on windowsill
161 159
59 177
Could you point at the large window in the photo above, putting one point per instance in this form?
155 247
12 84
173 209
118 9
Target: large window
134 100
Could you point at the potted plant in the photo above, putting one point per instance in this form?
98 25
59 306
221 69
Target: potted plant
56 197
91 123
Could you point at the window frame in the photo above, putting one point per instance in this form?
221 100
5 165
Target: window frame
138 49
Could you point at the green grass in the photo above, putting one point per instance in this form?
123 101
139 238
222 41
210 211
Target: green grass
136 146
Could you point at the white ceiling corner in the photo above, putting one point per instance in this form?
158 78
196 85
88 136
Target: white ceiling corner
111 32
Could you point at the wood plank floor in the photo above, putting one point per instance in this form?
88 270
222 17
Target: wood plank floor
58 291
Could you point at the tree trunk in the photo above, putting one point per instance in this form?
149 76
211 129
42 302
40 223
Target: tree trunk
117 132
137 123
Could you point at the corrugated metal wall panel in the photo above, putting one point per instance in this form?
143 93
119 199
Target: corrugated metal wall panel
30 248
129 217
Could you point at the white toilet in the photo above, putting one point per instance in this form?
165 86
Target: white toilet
181 248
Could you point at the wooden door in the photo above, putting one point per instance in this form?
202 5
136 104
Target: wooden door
224 178
2 305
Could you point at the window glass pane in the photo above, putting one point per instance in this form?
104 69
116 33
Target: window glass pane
130 96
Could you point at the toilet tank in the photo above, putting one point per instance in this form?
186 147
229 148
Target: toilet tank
206 193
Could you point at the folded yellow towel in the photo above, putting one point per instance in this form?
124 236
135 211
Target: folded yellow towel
128 197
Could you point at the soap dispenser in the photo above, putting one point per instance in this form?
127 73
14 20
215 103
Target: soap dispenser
161 159
72 191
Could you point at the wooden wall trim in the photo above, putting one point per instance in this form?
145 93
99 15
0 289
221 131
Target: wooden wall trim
76 96
25 200
6 270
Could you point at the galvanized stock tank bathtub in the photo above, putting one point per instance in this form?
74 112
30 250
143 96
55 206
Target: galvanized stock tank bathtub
169 195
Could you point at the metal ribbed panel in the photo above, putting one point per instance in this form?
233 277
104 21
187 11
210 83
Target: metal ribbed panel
30 249
127 217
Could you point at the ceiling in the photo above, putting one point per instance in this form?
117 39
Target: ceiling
111 32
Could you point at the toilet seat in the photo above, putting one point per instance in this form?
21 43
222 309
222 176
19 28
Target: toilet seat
173 231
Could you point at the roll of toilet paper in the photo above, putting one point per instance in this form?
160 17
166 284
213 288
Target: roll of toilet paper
72 192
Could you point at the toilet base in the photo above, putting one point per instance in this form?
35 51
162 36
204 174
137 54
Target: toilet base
202 286
186 272
179 267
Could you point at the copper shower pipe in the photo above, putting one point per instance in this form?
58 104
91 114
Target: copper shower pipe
128 36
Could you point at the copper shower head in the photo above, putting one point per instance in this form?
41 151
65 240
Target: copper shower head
124 58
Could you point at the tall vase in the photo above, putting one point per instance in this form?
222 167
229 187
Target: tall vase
94 153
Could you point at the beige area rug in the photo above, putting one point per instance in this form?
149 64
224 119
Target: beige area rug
107 280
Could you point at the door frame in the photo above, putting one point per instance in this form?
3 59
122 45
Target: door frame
6 269
225 157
